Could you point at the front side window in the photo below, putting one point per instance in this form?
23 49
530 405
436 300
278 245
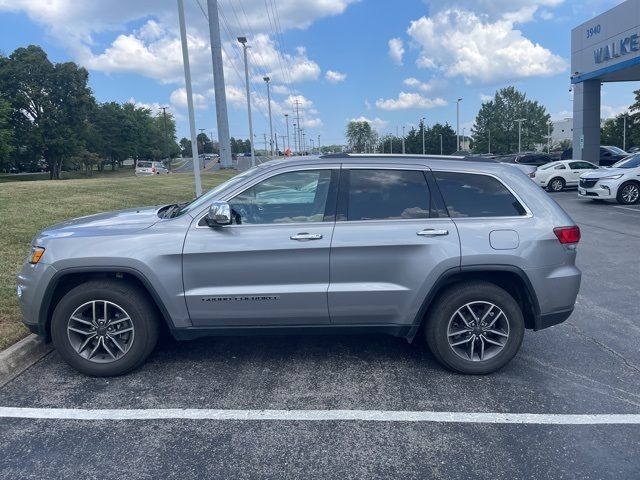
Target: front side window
387 195
581 166
292 197
476 195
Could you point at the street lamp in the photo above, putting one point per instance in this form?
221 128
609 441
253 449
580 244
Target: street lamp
624 132
266 80
520 120
423 150
403 139
441 144
464 138
489 131
458 123
243 41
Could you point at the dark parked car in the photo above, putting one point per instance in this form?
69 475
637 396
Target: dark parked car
608 155
534 159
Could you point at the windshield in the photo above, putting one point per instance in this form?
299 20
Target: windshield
630 162
144 164
210 195
616 150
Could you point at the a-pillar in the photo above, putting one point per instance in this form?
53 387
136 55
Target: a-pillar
586 121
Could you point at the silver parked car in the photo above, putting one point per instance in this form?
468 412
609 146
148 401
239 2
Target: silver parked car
468 253
147 167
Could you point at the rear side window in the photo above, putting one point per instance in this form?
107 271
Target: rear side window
475 195
144 164
387 195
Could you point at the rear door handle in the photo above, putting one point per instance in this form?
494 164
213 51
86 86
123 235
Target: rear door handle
306 236
430 232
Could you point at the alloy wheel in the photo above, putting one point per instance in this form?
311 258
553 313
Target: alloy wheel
478 331
556 185
630 193
100 331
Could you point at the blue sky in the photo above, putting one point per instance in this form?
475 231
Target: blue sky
391 62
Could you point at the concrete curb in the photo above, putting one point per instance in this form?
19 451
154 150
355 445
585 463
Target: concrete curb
20 356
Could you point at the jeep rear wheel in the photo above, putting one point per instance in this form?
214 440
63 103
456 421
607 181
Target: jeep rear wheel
475 328
104 327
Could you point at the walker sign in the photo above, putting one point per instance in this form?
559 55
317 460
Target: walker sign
616 49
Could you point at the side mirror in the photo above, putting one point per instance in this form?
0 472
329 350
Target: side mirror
219 214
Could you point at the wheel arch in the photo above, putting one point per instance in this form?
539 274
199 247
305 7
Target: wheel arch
67 279
511 278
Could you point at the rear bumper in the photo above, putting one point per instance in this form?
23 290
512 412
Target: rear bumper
550 319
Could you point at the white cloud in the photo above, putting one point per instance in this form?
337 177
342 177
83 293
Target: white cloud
607 111
409 100
517 10
485 98
396 50
335 77
422 86
376 123
280 89
178 99
460 43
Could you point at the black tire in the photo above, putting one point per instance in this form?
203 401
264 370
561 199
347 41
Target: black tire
448 303
556 184
137 305
634 188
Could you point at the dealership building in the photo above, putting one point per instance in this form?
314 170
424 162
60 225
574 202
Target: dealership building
604 49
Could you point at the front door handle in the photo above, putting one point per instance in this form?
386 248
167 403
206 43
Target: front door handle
306 236
430 232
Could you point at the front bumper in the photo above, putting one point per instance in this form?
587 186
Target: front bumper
603 189
31 286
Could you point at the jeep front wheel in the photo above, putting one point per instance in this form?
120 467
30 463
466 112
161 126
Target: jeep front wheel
104 327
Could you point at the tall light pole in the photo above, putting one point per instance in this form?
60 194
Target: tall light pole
286 116
243 41
489 131
624 133
520 120
266 80
218 84
464 138
391 143
295 138
319 144
203 144
403 139
549 137
164 119
423 149
187 82
441 144
458 123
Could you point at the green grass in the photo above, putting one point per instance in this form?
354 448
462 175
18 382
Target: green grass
28 206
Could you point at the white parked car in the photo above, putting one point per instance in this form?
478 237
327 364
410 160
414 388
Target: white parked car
555 176
621 181
147 167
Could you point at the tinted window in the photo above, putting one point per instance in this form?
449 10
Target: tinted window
291 197
144 164
470 195
387 195
581 166
629 162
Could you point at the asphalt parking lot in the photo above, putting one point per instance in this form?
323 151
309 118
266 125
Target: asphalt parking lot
588 365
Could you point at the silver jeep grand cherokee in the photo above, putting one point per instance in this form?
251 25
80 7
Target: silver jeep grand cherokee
467 252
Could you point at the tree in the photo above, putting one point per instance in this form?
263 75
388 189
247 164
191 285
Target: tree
49 105
185 147
360 135
6 135
613 130
498 116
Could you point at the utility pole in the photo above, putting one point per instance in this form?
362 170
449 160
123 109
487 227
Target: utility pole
243 41
464 138
403 139
266 80
283 137
520 120
286 116
458 123
187 81
203 144
423 149
218 84
441 144
319 144
265 143
304 141
164 119
297 102
295 138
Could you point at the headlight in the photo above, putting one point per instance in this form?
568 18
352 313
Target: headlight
612 177
36 255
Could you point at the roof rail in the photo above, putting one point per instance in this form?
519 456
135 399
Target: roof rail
470 158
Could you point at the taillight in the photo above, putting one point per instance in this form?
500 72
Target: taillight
153 169
567 235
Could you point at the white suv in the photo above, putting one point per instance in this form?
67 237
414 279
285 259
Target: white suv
555 176
147 167
621 181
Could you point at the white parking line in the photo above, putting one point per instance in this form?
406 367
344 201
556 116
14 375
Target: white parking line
318 415
628 208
